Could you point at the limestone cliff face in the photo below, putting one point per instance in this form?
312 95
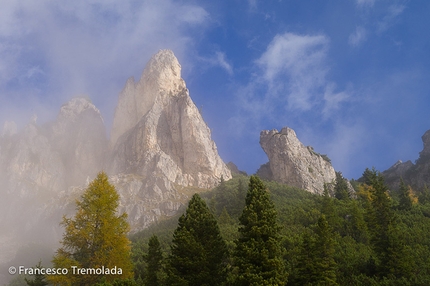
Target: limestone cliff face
160 153
167 135
161 78
292 163
160 143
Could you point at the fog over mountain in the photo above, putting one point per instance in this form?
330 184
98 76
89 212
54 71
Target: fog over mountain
160 148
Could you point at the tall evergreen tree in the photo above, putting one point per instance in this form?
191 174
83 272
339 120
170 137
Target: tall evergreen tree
258 255
405 201
95 237
154 262
39 279
327 207
386 239
198 252
316 264
341 187
324 248
380 217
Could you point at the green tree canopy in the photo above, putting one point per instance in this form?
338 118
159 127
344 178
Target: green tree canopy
39 279
405 201
95 237
154 262
316 264
341 187
258 254
198 252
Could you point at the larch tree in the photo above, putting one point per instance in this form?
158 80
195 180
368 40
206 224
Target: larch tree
198 252
258 254
95 238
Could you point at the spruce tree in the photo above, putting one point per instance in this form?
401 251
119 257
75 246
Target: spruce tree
386 237
198 252
95 237
316 264
341 187
380 216
324 250
39 279
405 201
154 262
258 254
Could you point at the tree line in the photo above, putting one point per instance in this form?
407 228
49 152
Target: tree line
250 232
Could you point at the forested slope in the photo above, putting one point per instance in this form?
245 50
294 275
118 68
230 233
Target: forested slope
380 237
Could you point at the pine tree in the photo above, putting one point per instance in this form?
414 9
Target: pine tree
424 196
95 237
386 237
198 252
327 207
380 217
258 255
405 201
341 187
316 264
324 248
39 279
154 262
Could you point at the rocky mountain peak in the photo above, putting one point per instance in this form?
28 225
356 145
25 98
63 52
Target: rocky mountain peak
426 143
75 107
416 174
160 142
164 70
79 135
292 163
160 80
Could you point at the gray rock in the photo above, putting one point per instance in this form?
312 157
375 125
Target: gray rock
292 163
159 136
159 154
417 175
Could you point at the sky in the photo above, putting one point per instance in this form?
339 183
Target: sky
351 77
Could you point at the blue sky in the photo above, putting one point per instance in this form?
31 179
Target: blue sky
351 77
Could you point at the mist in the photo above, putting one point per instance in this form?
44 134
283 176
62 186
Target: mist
51 52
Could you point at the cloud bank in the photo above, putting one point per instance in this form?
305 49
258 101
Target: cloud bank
53 50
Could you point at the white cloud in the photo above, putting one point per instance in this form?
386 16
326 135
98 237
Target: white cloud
394 11
363 3
357 37
333 99
297 61
88 47
219 59
290 79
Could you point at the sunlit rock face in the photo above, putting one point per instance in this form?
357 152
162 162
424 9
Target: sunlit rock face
292 163
160 152
160 136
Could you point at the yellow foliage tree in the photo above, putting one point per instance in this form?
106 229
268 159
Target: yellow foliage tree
96 238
